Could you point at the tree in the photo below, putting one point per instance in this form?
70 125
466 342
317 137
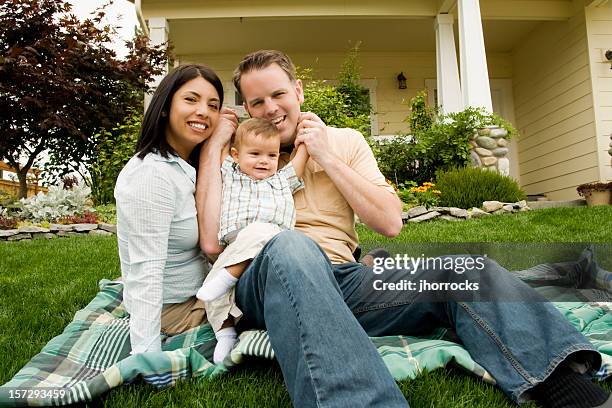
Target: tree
60 82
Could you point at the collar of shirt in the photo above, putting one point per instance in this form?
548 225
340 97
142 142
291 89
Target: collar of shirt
187 168
271 180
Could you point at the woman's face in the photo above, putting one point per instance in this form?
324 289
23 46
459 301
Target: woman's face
194 112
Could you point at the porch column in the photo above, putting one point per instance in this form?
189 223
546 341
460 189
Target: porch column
158 34
449 88
474 72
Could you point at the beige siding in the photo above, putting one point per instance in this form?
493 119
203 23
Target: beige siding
391 102
599 34
566 188
554 109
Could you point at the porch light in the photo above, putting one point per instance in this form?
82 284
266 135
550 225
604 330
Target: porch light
401 81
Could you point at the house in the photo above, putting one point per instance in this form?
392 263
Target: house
545 61
9 184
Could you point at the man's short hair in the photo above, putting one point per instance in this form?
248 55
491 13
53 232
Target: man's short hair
258 127
262 59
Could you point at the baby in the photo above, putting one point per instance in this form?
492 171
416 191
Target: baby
257 204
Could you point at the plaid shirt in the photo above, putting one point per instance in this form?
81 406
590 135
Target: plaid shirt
246 200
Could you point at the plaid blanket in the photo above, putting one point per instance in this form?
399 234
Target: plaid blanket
92 355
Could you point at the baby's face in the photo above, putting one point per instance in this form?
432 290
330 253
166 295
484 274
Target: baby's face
257 156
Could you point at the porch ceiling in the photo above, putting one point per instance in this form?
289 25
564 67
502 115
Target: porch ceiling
490 9
241 35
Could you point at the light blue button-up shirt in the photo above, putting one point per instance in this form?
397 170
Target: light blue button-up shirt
157 234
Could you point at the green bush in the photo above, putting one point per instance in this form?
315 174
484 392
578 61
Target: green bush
7 199
113 149
436 142
106 213
469 186
421 116
344 105
398 159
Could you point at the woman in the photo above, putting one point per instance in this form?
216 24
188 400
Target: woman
157 230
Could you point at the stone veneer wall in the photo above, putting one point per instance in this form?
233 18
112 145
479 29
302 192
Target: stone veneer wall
421 213
490 150
57 230
415 214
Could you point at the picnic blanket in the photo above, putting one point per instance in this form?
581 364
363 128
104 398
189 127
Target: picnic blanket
92 355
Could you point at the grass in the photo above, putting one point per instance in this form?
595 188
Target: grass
43 283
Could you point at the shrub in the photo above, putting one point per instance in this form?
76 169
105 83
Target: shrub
344 105
469 186
445 145
57 203
398 159
87 217
6 199
106 213
421 116
436 142
6 221
113 148
404 192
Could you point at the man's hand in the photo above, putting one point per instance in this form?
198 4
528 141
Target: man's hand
312 132
377 207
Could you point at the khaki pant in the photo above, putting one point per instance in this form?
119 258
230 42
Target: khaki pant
179 317
247 244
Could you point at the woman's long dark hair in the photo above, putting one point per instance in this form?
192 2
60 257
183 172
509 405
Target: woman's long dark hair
152 136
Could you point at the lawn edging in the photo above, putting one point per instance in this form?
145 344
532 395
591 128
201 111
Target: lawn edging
421 213
56 231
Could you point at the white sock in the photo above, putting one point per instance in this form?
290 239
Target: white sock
217 286
226 338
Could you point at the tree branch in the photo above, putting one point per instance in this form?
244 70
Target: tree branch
39 149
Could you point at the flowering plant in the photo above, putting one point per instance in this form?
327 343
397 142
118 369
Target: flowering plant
426 194
57 203
6 221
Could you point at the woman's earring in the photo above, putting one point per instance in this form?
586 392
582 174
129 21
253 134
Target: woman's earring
164 114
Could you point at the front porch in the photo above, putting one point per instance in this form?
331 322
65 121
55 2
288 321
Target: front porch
539 57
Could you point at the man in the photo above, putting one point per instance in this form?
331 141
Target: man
317 303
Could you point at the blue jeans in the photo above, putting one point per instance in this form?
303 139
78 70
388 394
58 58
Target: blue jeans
319 317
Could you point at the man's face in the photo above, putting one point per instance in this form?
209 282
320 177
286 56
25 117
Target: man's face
269 93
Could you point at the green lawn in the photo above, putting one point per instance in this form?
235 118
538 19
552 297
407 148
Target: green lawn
43 283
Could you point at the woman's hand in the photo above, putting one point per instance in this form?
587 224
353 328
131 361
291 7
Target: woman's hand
226 126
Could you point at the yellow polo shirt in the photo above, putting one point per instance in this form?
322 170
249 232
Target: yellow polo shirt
323 214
